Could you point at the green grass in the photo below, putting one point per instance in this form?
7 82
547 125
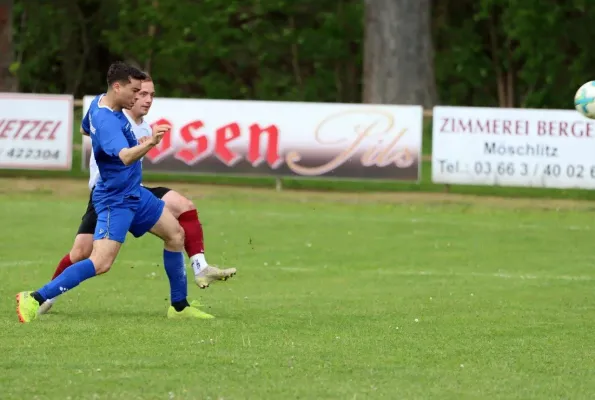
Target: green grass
337 297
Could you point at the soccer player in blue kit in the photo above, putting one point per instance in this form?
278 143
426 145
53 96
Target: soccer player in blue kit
121 203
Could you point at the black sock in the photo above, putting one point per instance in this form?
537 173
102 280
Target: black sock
180 305
38 297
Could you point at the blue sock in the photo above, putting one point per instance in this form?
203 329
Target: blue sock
70 278
176 272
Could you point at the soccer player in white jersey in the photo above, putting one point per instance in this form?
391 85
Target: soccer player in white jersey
181 207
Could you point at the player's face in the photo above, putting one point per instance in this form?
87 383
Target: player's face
128 93
145 99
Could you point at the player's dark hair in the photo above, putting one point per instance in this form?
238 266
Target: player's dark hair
122 73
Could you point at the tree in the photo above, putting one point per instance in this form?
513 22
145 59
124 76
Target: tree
398 53
7 79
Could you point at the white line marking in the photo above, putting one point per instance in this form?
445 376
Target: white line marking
381 271
18 263
498 275
389 218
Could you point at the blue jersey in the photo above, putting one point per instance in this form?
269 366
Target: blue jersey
111 132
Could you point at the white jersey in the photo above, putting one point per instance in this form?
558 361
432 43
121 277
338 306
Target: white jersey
139 130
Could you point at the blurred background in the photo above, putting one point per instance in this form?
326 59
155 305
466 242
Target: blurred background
531 53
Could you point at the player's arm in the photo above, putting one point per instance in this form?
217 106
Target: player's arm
86 125
114 144
130 155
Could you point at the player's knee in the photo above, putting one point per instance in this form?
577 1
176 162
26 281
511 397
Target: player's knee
176 239
178 204
102 261
187 205
102 264
78 254
179 236
81 250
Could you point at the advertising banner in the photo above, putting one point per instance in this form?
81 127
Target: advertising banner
513 147
259 138
35 131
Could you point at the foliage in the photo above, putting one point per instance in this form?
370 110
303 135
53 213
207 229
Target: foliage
530 53
275 50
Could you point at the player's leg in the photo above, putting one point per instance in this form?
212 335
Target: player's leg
81 248
110 232
83 242
185 212
152 216
170 231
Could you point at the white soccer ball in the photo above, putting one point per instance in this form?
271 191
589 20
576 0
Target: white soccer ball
584 100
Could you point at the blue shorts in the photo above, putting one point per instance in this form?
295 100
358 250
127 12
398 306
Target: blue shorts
136 215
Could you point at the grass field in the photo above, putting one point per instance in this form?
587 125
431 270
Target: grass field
338 296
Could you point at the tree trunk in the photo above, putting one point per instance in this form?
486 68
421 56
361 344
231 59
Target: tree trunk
398 53
7 80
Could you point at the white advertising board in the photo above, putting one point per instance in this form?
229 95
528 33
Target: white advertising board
513 147
35 131
352 141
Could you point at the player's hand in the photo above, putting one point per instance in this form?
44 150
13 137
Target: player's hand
158 132
143 139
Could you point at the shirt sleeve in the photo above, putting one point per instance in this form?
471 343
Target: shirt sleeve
85 125
110 136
